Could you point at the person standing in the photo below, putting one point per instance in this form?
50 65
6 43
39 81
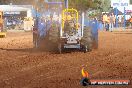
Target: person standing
130 20
4 24
95 27
119 21
122 21
112 22
104 20
108 22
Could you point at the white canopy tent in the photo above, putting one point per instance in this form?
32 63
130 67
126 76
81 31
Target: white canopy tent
17 8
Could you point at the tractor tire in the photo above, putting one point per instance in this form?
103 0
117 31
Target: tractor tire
87 39
54 36
60 48
53 39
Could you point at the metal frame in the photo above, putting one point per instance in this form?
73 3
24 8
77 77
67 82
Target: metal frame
66 11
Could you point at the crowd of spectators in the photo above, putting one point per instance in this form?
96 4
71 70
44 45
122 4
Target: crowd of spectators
109 21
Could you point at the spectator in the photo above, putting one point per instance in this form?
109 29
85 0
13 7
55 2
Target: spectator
130 20
119 21
41 28
112 22
108 22
95 26
122 21
104 20
5 23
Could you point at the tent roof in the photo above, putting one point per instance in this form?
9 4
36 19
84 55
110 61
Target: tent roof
12 8
114 12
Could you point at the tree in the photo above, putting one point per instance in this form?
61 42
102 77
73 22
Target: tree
105 5
82 5
4 2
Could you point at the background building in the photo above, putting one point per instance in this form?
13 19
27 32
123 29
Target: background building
13 15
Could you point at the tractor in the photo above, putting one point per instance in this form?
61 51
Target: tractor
73 35
68 31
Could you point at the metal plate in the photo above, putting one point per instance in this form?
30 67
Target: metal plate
72 46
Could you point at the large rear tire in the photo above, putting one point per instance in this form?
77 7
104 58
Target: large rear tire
53 39
54 35
87 39
60 48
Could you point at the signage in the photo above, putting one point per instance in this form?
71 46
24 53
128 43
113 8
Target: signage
15 13
117 3
11 12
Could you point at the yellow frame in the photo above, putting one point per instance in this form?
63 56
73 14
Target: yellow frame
2 34
69 10
1 17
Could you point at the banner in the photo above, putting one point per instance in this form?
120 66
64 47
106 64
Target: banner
117 3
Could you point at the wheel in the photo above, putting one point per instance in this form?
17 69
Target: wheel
54 35
53 39
85 49
87 39
60 48
85 82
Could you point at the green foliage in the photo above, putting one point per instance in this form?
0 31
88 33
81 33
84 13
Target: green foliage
81 5
130 1
84 5
105 5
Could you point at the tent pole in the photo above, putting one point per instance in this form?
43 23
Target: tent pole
116 18
124 17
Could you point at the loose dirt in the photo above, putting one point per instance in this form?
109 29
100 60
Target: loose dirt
23 67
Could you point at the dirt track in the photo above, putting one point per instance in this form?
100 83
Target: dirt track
22 67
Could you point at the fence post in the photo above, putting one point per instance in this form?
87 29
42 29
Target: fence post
124 17
116 18
66 3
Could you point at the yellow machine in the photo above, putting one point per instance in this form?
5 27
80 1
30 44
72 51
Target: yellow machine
70 33
70 15
2 34
73 34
